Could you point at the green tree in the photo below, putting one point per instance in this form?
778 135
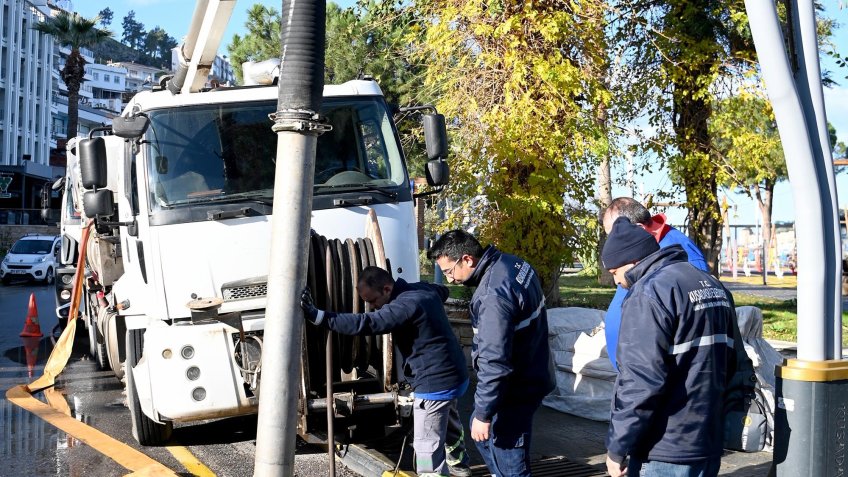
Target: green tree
262 40
106 17
152 42
687 52
133 31
370 38
75 32
519 83
747 143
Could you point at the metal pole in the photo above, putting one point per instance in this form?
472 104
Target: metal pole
331 432
276 429
811 390
298 126
813 340
812 99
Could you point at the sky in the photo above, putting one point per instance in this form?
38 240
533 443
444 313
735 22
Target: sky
174 16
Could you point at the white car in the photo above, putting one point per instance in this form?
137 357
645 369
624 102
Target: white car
33 257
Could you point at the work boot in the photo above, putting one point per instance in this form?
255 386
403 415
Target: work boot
459 470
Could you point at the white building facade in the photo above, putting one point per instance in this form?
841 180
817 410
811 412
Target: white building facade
222 71
26 87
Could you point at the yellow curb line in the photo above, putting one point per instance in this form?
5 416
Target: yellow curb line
121 453
190 462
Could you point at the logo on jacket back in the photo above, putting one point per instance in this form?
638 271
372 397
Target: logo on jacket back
708 298
524 273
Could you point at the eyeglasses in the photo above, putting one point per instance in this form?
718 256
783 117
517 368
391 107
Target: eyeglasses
449 272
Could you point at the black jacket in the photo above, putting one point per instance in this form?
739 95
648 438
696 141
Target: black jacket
415 316
676 356
510 349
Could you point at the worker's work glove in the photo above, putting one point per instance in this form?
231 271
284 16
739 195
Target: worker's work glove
312 314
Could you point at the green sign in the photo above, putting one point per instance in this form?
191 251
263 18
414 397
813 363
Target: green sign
4 187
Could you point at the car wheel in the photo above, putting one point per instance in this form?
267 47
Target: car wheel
7 280
48 278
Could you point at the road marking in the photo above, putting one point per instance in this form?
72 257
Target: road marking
190 462
121 453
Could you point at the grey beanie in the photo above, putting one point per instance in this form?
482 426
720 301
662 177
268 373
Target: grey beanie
627 243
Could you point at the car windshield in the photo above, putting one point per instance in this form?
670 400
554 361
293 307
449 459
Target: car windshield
227 152
32 246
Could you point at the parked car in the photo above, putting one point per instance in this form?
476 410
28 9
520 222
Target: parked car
32 257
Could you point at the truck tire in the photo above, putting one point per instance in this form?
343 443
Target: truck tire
112 338
145 430
102 358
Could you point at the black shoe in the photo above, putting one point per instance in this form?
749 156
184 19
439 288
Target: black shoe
459 470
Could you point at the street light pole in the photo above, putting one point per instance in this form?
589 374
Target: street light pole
812 391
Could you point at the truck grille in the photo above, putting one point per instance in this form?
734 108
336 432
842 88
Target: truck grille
257 290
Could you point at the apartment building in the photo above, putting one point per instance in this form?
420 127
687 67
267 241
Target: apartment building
222 71
26 89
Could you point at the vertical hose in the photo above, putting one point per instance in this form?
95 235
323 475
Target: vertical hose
302 64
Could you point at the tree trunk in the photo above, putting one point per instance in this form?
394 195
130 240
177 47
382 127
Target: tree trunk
552 297
765 198
604 201
72 75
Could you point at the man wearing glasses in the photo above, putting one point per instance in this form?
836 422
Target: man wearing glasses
510 349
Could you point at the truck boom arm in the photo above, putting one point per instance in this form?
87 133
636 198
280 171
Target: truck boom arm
200 46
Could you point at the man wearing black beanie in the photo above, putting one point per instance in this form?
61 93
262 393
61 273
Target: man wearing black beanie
676 357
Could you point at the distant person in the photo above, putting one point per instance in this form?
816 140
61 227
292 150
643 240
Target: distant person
433 362
510 348
676 357
663 233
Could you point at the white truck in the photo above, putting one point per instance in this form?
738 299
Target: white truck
180 189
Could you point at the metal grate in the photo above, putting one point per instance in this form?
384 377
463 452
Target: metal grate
242 292
550 467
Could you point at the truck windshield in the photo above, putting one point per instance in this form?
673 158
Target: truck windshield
227 152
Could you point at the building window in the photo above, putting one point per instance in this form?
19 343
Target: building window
96 75
117 79
106 78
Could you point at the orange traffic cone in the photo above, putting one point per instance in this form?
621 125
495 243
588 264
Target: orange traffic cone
31 327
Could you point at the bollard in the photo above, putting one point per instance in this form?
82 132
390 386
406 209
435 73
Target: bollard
810 419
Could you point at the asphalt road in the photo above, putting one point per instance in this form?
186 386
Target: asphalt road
32 447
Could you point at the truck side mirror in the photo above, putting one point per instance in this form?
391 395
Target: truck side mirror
92 161
98 203
437 172
131 127
435 136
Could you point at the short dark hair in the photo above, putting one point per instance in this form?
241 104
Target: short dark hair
454 245
375 278
628 207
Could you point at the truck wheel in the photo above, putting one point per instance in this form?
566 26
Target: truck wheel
145 430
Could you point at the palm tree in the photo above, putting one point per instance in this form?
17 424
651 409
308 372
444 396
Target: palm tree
74 31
